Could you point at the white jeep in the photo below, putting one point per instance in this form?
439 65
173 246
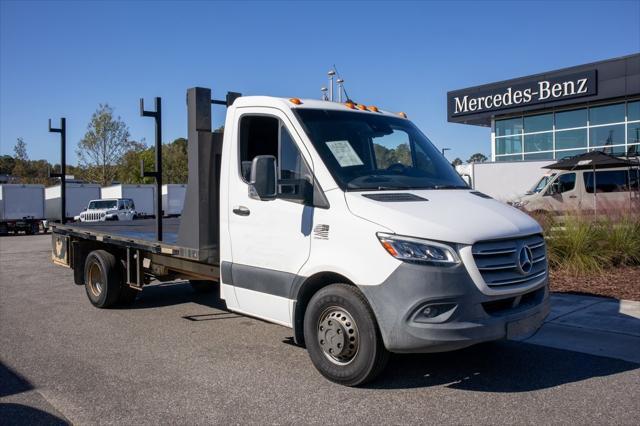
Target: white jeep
108 209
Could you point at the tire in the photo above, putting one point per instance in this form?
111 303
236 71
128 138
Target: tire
102 279
202 286
338 311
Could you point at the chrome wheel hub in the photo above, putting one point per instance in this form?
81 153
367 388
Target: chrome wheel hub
338 335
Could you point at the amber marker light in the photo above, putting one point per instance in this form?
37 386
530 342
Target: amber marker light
362 107
349 105
373 108
295 101
402 114
388 247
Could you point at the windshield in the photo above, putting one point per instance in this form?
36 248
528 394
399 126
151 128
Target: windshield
542 183
376 152
103 204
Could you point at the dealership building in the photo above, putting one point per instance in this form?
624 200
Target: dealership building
559 113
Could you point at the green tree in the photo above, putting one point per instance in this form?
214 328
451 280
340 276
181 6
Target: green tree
129 165
175 167
21 161
104 145
478 157
7 163
456 162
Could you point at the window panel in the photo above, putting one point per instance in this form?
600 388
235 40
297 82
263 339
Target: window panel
509 145
509 127
606 114
509 158
569 119
633 111
294 174
619 150
564 154
538 123
571 139
538 142
539 156
607 135
608 181
633 133
633 150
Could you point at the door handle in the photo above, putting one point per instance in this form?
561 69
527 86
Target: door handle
573 196
242 211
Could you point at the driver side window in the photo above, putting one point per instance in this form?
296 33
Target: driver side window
393 148
565 183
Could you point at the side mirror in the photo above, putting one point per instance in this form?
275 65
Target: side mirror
554 188
264 178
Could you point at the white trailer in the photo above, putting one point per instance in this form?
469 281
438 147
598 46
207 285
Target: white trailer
173 198
21 208
504 181
78 196
143 196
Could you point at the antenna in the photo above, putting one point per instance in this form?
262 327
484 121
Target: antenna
323 89
331 73
342 84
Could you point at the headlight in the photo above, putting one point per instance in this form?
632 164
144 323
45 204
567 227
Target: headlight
418 250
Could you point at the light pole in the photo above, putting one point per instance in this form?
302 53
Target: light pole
331 74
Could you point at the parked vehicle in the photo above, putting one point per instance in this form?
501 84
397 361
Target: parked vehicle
504 181
21 208
104 210
78 196
144 196
340 221
563 191
173 198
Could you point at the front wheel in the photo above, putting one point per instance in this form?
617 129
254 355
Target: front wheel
342 336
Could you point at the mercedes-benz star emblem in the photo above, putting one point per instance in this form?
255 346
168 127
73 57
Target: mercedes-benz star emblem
525 260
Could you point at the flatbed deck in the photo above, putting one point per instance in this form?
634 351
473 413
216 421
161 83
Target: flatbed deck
137 234
138 230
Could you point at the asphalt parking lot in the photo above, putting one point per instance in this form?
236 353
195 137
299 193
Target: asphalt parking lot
180 357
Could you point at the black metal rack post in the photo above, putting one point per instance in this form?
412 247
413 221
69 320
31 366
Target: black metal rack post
157 115
63 167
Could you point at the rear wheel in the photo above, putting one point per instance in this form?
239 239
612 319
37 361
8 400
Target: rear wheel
342 336
102 278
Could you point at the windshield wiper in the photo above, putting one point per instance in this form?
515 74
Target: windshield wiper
381 188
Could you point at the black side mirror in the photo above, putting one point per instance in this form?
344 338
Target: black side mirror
264 178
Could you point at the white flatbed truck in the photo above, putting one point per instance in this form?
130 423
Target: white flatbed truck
338 220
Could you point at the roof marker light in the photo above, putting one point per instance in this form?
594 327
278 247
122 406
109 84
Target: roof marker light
362 107
373 108
349 105
295 101
402 114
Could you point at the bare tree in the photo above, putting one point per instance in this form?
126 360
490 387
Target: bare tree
103 145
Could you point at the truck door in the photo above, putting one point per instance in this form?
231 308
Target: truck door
270 240
563 195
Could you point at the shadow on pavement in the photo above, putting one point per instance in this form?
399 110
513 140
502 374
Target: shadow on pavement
11 413
497 367
176 293
18 414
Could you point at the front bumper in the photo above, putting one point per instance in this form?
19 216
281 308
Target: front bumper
467 316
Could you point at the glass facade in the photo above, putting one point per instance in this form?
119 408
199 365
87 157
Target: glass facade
612 128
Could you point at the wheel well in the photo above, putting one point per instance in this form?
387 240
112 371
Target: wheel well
81 250
307 289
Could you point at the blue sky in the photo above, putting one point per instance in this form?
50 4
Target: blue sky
64 58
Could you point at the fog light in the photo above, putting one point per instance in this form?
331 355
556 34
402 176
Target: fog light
432 311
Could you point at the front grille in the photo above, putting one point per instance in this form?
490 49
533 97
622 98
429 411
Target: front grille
93 217
498 261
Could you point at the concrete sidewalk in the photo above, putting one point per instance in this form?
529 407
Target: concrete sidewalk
592 325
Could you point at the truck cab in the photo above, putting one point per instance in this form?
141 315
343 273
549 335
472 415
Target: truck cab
339 220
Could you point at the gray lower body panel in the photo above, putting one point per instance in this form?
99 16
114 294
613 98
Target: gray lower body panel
461 315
